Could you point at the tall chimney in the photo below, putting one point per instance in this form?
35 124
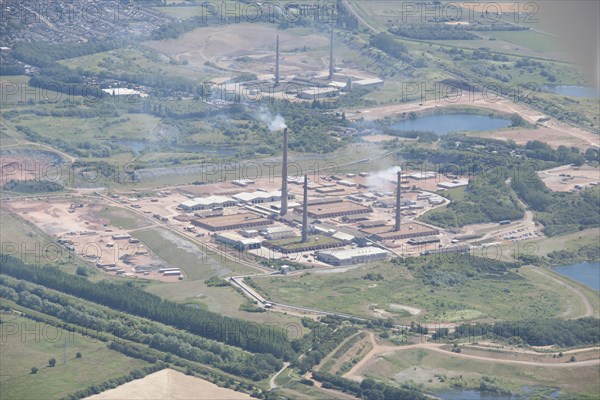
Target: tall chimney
284 191
331 55
305 211
397 225
277 63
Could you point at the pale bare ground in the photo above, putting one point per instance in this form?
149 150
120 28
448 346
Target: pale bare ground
169 384
411 310
553 132
357 371
583 175
222 45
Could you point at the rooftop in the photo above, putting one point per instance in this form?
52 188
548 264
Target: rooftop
351 253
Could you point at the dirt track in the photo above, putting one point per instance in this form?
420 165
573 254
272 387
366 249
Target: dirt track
356 372
589 309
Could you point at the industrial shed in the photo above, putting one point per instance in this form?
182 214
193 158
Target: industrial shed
352 256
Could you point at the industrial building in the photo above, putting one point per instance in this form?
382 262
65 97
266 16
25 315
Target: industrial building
421 176
423 240
453 184
232 221
337 209
352 256
237 241
317 93
259 196
207 203
279 232
367 83
407 230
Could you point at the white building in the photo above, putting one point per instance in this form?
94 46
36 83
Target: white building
206 203
367 83
279 232
453 184
260 197
352 256
237 241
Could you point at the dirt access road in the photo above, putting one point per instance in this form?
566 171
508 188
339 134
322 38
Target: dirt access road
378 350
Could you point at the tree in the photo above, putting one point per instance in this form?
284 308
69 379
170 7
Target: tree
52 362
82 271
78 355
34 370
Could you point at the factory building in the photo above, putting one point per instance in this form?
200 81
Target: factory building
279 232
207 203
317 93
352 256
237 241
232 221
367 83
337 209
423 240
421 176
407 230
454 184
258 196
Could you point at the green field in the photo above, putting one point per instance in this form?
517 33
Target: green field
197 263
511 297
23 350
122 218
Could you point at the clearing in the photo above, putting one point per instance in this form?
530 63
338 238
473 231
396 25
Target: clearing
169 384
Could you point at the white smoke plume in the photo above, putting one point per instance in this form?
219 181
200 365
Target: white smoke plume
274 124
277 124
381 179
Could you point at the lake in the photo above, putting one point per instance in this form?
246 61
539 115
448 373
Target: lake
446 123
587 273
584 92
458 394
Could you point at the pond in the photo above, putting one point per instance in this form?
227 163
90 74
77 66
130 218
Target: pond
587 273
446 123
584 92
459 394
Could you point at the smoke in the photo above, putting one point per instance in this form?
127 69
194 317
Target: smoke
381 180
274 124
277 124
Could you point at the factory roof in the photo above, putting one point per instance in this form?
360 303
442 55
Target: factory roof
278 229
351 253
232 219
251 196
233 236
207 201
368 81
336 208
343 236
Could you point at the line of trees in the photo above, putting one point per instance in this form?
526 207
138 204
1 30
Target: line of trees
368 389
542 332
101 325
231 331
